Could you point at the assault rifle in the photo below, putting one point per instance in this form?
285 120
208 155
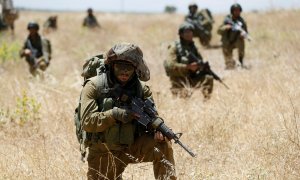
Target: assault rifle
238 26
204 67
33 60
148 118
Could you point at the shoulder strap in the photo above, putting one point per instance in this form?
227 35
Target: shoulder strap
102 85
179 50
101 81
140 90
29 44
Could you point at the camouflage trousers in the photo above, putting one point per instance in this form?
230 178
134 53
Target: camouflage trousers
228 53
180 86
104 164
36 65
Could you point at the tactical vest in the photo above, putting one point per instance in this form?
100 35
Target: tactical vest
182 54
44 48
120 133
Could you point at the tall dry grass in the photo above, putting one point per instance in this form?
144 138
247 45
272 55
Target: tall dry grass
248 132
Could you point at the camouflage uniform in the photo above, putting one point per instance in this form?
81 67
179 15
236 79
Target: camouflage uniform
8 15
90 21
113 145
202 22
41 53
180 76
232 39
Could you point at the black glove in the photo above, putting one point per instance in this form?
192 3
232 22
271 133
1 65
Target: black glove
123 115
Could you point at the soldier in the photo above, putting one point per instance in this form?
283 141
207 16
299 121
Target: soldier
182 69
116 139
51 23
202 22
9 15
231 36
36 50
90 21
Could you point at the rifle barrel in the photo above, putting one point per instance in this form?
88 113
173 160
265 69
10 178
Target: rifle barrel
185 148
224 84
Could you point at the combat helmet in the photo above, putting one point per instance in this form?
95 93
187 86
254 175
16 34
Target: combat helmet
132 54
185 26
90 10
235 6
193 5
33 25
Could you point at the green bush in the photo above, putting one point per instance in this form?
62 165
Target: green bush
9 51
28 109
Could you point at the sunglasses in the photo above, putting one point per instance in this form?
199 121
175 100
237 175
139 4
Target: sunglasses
121 66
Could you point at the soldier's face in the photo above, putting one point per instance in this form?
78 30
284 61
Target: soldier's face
123 71
187 35
193 10
33 31
236 12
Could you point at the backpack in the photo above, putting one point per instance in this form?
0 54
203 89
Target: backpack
92 67
207 15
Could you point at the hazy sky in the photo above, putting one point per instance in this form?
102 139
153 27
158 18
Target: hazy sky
153 5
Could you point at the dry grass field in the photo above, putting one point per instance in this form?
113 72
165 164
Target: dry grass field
248 132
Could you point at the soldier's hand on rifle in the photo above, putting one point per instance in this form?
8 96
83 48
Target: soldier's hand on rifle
124 115
27 52
228 26
159 137
193 67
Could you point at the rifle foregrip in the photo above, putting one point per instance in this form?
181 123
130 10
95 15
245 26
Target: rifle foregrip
159 125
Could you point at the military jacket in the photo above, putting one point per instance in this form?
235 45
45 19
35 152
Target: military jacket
177 60
90 21
39 47
228 35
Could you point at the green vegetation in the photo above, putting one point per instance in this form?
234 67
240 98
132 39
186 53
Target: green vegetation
27 109
9 50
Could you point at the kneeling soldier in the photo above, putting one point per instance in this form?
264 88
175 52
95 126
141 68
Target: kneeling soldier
184 65
114 137
36 50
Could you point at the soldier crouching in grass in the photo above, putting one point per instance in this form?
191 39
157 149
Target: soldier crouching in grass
50 24
233 32
184 65
202 22
114 138
90 21
36 50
